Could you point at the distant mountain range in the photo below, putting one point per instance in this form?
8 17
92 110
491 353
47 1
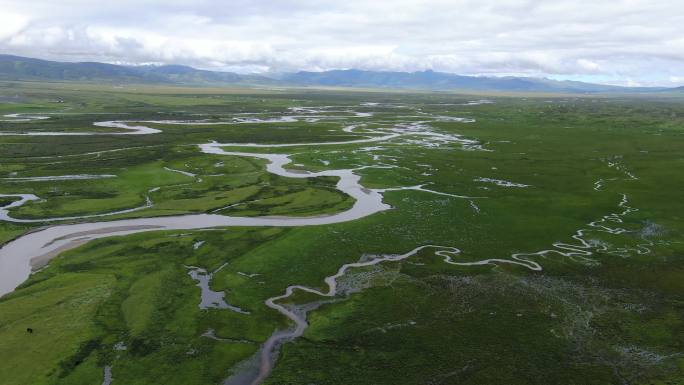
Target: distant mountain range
22 68
446 81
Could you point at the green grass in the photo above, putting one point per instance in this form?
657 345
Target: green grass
61 314
618 320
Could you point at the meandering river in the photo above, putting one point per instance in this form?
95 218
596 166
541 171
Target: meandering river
36 248
32 250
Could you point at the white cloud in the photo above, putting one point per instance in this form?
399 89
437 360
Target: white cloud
11 24
641 40
588 65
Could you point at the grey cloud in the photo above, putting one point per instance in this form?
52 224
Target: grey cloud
618 40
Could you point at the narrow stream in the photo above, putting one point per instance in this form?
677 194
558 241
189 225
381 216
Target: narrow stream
266 356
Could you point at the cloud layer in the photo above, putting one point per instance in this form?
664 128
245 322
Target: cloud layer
619 41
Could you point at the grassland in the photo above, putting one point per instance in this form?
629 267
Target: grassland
613 316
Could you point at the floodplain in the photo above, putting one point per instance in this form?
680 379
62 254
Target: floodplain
339 237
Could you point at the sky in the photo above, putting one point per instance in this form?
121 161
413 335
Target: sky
625 42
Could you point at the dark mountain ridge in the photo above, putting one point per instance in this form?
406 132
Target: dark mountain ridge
22 68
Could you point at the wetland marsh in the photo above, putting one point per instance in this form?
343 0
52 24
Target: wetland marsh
339 237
